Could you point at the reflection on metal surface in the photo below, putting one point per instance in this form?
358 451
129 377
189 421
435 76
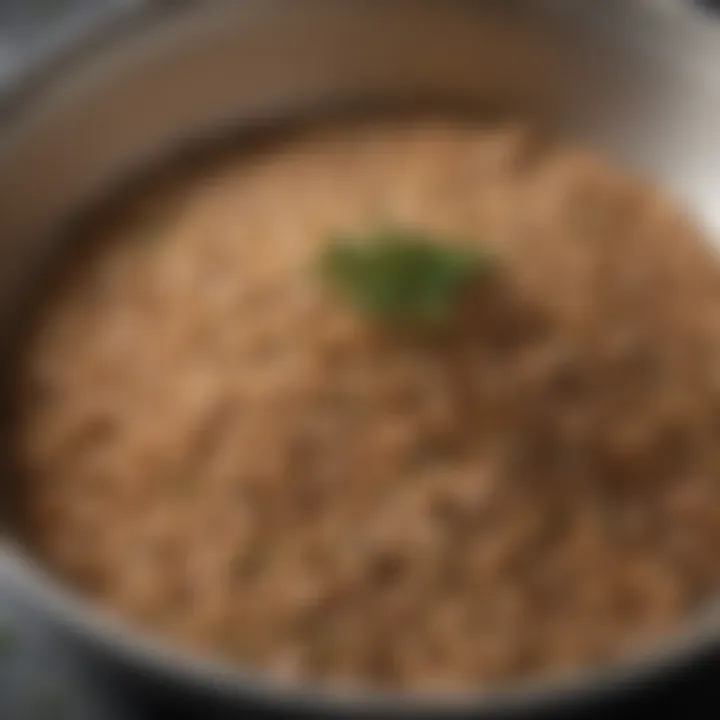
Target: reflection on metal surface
32 31
37 676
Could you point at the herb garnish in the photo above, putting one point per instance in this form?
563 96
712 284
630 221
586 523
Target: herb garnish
403 275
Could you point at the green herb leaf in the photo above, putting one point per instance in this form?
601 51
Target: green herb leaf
403 275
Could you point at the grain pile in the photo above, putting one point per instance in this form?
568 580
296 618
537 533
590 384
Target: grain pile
225 455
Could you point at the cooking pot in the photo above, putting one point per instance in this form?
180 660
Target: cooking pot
635 80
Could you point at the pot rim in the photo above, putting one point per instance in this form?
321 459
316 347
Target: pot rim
113 636
120 641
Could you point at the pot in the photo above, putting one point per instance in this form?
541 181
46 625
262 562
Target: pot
634 80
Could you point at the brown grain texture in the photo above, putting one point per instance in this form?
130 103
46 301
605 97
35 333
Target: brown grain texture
225 455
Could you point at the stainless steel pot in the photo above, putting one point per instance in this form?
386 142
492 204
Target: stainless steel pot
637 80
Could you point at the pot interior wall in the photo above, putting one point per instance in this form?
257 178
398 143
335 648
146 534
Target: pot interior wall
220 65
